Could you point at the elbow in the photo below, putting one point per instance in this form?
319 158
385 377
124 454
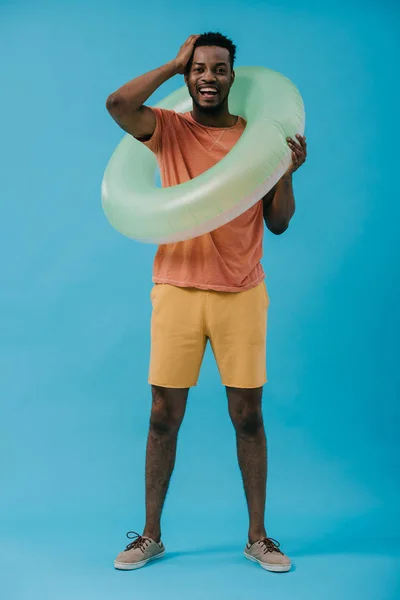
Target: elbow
113 103
278 228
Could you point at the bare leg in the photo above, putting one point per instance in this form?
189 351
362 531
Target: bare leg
246 415
167 413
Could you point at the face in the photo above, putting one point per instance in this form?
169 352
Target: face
210 77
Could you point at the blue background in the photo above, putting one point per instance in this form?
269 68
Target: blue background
75 315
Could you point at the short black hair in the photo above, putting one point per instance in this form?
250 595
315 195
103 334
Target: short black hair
212 38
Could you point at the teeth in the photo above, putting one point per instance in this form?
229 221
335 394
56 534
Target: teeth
213 90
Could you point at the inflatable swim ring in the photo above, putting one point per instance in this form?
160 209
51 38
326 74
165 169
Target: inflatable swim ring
137 208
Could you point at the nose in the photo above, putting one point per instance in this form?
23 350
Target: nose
208 77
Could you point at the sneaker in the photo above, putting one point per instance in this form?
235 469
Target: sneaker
138 553
267 554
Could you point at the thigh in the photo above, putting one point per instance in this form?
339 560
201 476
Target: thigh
238 333
177 336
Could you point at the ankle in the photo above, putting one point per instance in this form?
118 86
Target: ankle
153 534
256 535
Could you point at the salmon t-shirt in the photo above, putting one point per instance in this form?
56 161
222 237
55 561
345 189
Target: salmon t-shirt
228 258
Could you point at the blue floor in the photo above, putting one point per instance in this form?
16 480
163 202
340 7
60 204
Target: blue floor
78 564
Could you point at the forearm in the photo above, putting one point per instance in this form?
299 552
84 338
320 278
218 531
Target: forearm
280 210
135 93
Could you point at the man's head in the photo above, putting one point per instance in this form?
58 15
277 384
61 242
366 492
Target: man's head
209 73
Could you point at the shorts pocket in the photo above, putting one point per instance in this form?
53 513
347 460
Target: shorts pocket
156 291
266 295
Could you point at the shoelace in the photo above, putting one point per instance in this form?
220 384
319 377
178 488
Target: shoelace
271 545
138 541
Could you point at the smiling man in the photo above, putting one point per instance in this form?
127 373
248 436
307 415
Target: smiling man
210 288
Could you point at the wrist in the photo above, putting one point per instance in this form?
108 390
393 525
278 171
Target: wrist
174 67
287 177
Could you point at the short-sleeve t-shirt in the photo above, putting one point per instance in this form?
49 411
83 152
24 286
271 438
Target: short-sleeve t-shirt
228 258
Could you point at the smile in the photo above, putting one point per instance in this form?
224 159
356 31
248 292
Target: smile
208 91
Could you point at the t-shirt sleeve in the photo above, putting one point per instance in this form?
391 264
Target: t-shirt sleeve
163 120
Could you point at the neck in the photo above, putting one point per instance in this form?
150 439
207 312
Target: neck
221 117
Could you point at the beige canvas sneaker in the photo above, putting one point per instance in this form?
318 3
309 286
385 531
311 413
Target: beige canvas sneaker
138 553
267 554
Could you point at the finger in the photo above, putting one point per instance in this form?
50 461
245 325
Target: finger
302 140
295 146
300 153
294 159
299 150
303 152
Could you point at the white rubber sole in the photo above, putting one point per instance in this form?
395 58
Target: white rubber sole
269 566
132 566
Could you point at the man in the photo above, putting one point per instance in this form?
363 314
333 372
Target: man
208 288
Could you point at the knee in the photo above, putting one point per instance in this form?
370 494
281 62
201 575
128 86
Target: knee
248 423
162 423
164 420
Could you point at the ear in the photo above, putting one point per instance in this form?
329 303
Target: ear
185 77
233 75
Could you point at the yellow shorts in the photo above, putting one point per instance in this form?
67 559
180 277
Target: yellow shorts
184 319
